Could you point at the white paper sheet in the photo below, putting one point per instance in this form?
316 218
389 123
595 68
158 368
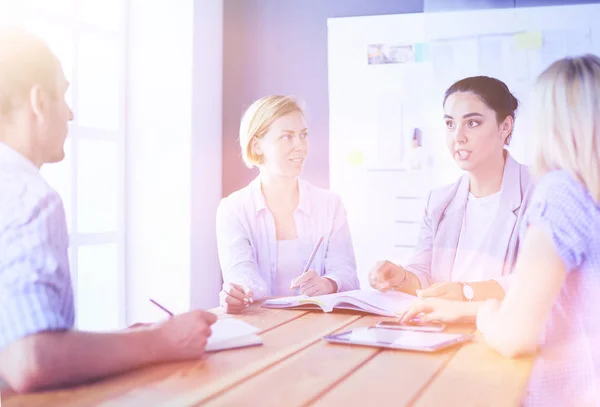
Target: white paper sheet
231 333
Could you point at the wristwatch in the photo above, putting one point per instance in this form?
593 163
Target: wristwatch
467 291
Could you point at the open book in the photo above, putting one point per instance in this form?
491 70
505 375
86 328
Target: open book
373 302
230 333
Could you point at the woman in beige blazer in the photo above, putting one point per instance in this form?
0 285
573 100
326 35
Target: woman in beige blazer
469 235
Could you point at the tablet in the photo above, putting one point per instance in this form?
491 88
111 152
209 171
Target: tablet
399 339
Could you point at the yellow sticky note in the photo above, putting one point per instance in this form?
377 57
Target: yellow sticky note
356 158
529 40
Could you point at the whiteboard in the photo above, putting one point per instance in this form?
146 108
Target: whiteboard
387 77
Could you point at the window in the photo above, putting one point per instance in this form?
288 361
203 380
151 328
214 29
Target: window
88 36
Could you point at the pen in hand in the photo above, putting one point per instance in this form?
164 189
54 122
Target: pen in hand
161 307
311 258
312 255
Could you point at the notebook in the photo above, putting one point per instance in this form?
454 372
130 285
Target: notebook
388 304
231 333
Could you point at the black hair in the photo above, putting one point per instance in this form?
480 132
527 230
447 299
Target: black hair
494 93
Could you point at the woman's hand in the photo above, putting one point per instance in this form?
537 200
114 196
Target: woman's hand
385 276
450 290
311 284
235 297
437 309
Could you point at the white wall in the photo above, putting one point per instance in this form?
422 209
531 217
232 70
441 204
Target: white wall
164 138
206 151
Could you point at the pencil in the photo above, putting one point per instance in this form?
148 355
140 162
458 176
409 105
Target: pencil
161 307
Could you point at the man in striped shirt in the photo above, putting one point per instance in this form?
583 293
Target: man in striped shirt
38 346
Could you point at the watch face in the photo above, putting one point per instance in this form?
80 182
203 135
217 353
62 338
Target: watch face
468 292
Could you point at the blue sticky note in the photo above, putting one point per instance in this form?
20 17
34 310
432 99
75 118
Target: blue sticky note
422 52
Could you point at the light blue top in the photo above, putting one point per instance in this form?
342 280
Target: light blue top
567 371
35 284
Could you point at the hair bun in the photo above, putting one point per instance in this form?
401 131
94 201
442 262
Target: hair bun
514 102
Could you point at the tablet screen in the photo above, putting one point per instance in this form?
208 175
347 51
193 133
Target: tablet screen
400 339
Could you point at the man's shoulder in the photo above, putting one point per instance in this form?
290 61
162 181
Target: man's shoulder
24 183
22 194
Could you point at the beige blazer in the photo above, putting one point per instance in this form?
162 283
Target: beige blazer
433 259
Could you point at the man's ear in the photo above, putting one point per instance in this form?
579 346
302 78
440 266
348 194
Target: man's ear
36 100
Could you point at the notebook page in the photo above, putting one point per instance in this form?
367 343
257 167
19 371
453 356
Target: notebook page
241 342
391 301
228 329
286 300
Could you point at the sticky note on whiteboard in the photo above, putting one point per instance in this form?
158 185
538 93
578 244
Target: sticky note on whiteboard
529 40
356 158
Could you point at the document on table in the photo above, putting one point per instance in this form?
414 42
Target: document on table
231 333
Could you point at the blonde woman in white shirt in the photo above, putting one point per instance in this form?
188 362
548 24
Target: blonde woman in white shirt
267 230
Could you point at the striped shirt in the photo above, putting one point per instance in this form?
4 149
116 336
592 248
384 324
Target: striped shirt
35 285
567 370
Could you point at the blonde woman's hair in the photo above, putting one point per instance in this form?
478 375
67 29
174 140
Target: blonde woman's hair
566 112
258 118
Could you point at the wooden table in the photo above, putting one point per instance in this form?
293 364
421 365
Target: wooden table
295 367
